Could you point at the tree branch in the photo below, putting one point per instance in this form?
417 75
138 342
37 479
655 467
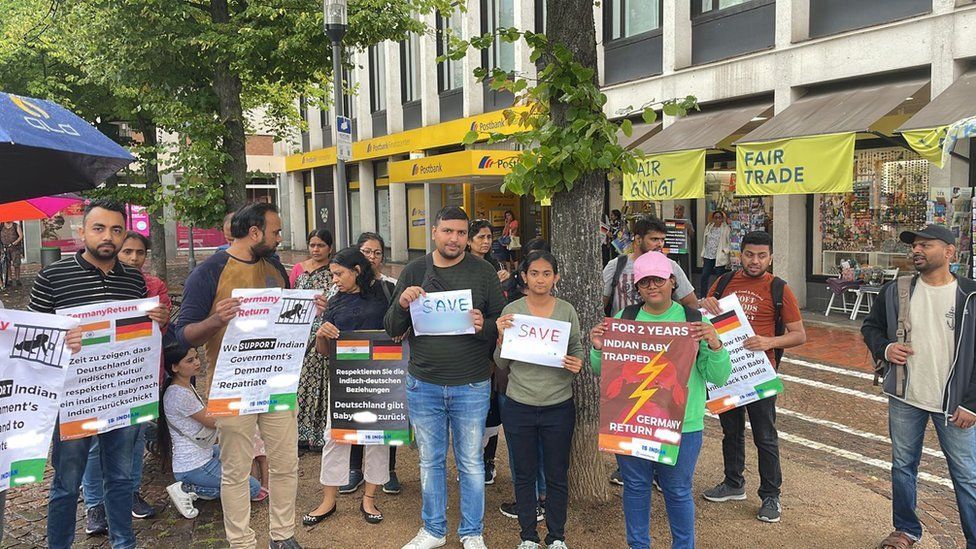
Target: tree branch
198 5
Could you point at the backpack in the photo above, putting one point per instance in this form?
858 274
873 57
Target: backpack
776 288
904 334
630 313
432 282
617 272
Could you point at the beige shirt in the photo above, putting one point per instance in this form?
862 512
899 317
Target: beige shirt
933 311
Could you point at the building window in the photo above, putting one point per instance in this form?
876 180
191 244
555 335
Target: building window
347 84
377 78
708 6
410 68
496 14
540 16
626 18
303 109
450 74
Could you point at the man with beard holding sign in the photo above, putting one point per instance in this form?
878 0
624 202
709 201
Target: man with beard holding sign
654 279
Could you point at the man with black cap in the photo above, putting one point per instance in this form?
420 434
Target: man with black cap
927 354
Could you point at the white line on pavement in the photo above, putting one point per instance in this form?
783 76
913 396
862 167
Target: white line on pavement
849 430
853 456
831 369
834 388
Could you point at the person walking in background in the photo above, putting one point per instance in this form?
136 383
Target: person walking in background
479 244
614 223
227 233
12 239
313 404
510 233
360 304
928 358
715 252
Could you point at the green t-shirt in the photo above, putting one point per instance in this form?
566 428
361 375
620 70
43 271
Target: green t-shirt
712 366
534 384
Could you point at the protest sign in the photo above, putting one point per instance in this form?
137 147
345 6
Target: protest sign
442 313
32 371
367 394
644 388
536 340
261 354
753 377
114 381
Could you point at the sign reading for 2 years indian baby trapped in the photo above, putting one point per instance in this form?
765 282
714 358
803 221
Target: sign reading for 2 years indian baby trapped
801 165
644 388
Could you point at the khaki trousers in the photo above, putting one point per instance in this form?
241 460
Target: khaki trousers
280 433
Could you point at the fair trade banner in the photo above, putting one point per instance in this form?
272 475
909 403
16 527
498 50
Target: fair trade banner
32 371
753 377
114 381
442 313
667 176
644 388
536 340
800 165
367 389
261 355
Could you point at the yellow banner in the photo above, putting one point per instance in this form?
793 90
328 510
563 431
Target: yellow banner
927 143
668 176
801 165
456 165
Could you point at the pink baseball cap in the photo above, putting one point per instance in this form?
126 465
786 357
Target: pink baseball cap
652 264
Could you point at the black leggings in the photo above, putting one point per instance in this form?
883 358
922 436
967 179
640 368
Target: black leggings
356 458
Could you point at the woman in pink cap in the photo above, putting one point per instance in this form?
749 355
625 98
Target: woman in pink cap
655 282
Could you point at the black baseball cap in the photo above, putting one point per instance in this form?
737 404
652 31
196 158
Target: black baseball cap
931 232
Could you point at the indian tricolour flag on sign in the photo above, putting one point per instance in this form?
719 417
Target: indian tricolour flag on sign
352 350
96 333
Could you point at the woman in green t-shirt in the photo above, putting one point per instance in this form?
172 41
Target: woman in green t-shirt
654 278
539 407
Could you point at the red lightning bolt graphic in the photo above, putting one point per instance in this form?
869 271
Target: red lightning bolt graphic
642 393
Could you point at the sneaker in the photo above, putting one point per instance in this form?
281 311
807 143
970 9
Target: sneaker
770 510
289 543
526 544
558 544
617 478
182 500
657 485
140 508
95 522
490 473
392 486
355 481
724 492
261 495
509 510
425 540
473 542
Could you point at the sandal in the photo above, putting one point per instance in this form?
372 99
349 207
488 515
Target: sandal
311 520
370 517
897 540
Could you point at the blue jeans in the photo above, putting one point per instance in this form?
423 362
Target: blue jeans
675 482
92 482
204 481
906 426
69 459
540 479
437 413
708 270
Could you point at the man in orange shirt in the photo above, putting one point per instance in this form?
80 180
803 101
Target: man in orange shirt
775 317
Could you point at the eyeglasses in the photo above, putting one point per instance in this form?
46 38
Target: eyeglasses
371 253
652 281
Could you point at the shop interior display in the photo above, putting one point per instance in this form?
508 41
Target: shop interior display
744 214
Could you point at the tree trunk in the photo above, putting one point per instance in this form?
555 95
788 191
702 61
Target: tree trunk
227 86
157 231
576 239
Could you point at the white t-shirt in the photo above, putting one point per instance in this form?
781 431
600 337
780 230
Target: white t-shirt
180 403
626 292
933 317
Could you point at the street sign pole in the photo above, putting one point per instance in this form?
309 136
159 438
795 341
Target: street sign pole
342 215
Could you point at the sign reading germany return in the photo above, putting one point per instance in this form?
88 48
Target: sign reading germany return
114 381
367 394
261 354
644 388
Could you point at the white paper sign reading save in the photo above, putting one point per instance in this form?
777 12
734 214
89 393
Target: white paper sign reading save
536 340
442 313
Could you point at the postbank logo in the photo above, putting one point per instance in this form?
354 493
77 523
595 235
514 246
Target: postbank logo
489 126
506 163
38 118
419 169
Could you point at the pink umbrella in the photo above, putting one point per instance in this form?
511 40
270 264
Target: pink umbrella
36 208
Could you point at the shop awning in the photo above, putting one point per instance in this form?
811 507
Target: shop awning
641 132
458 167
703 130
958 101
843 111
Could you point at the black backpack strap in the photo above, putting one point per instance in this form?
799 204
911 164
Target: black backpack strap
777 288
720 286
630 312
692 314
618 271
432 282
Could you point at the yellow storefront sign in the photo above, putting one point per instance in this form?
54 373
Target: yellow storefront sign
668 176
311 159
927 143
801 165
452 166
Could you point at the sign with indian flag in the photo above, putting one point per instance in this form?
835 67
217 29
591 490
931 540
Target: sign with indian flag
261 355
753 376
114 381
32 372
367 391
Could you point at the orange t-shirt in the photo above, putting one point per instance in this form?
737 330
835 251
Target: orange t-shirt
756 298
